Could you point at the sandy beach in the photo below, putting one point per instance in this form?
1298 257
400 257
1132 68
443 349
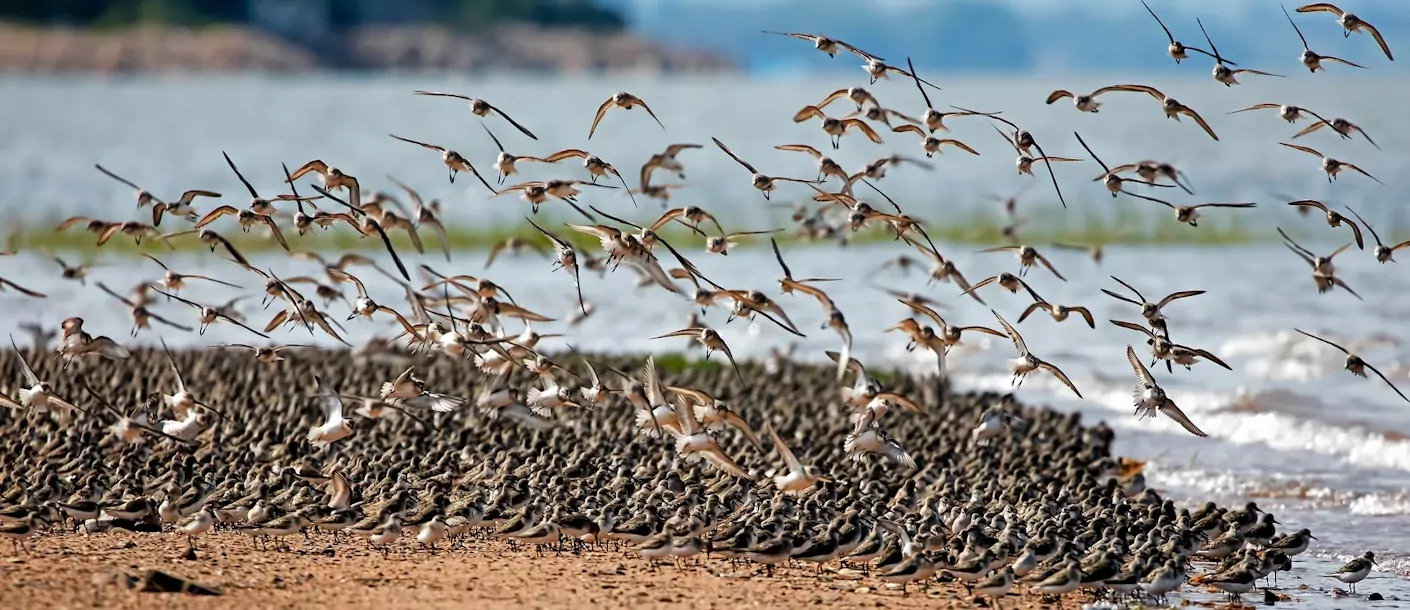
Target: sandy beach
63 570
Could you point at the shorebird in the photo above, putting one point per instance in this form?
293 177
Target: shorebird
1356 365
1323 270
1006 280
836 128
174 281
141 316
1310 58
410 390
1151 171
1026 362
427 213
1093 251
331 177
868 437
1350 22
131 228
1084 102
878 70
263 354
1172 107
1172 353
932 144
1356 570
1340 125
1383 252
76 342
364 306
1150 310
723 243
1150 398
1334 218
35 394
934 119
334 428
1287 112
212 239
181 207
1189 214
565 257
828 45
1332 166
690 216
1059 313
765 184
1176 50
480 108
210 315
694 442
667 160
505 163
593 163
1028 257
1222 72
1022 140
711 340
454 162
1111 179
625 101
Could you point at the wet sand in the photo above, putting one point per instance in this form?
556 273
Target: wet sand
62 570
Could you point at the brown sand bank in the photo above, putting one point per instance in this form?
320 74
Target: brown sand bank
62 570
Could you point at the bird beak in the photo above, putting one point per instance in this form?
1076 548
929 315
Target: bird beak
1313 537
352 315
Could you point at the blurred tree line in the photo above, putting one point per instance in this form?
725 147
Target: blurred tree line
469 14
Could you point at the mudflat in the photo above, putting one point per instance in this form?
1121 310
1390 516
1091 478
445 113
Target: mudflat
74 570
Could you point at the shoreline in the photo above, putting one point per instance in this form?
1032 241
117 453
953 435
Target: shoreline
152 49
454 465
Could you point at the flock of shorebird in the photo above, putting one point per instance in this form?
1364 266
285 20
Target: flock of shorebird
462 317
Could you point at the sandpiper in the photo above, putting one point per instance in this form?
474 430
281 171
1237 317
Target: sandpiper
625 101
1311 59
480 108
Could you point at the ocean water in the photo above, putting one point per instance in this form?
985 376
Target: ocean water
1311 443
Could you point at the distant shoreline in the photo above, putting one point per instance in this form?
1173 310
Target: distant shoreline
515 48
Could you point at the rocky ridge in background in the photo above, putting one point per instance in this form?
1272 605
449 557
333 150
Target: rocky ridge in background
396 48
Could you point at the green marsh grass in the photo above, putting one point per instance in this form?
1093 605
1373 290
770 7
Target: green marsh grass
1083 224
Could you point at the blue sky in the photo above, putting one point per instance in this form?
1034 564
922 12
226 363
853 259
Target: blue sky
1014 35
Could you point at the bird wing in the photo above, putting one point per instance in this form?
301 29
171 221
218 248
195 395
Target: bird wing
1190 112
719 459
513 122
1305 149
1340 348
651 383
1142 373
441 94
866 129
29 376
800 148
329 400
601 111
1177 295
1264 106
1061 376
1018 343
794 465
734 156
241 176
1388 382
1174 412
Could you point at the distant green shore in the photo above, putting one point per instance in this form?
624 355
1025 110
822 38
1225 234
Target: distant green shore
973 228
